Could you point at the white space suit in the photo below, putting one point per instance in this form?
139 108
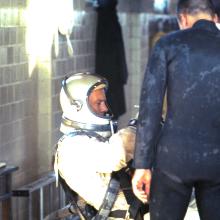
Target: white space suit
86 165
83 160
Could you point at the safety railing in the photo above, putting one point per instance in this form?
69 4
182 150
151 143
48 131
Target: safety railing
45 187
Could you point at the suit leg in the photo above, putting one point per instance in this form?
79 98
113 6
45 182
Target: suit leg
169 197
208 200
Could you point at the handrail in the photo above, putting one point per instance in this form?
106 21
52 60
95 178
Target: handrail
38 185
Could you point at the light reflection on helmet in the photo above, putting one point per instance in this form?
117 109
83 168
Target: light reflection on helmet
77 113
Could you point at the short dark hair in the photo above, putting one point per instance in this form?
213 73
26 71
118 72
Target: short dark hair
195 6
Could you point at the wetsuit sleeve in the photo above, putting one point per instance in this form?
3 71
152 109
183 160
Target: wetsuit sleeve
151 102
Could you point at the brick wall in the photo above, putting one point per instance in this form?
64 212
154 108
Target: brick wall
30 79
16 124
140 25
143 6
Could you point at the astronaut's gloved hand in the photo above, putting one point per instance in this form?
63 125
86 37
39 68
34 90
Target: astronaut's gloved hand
132 123
128 135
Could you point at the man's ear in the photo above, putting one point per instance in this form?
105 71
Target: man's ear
183 21
216 19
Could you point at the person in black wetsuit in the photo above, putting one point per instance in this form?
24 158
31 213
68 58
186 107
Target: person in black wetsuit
185 153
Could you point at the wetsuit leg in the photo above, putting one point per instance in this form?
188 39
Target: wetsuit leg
208 200
169 197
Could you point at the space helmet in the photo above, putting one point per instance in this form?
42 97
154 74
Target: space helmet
77 112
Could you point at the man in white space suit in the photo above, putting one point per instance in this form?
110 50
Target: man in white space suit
90 150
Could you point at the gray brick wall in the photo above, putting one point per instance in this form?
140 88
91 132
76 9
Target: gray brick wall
143 6
30 82
139 31
15 84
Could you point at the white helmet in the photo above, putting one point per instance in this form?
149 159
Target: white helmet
77 114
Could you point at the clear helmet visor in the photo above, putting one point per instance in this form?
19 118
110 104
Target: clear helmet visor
97 102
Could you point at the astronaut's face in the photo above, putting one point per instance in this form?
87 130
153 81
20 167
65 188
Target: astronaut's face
97 102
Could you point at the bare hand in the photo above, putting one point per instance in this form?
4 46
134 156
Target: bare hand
141 184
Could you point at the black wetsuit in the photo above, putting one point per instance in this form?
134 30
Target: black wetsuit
186 153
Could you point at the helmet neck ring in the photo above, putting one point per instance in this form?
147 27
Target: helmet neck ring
85 126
